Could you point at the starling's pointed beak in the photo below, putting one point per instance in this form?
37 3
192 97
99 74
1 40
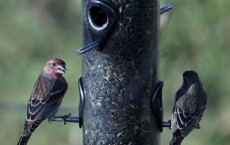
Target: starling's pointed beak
61 69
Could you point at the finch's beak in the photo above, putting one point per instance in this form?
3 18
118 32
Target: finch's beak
61 69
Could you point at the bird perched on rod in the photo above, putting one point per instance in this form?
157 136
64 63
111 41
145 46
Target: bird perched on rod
46 97
189 106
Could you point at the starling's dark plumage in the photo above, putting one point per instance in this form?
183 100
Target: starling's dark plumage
190 104
46 97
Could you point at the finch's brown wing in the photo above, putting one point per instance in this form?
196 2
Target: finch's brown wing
46 98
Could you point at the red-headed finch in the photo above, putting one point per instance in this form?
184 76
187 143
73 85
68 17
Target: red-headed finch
46 97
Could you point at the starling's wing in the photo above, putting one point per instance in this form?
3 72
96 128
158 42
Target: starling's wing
186 121
187 113
46 98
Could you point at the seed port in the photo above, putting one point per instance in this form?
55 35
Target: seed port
98 17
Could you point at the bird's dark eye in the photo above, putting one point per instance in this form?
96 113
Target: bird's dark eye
53 64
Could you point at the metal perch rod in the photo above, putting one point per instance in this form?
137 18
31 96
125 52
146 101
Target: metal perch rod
68 119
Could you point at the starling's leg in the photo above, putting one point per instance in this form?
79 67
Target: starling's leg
197 126
50 120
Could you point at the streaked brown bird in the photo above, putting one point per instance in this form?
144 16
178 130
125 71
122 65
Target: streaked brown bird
46 97
189 106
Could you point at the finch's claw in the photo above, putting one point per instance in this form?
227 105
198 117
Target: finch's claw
64 117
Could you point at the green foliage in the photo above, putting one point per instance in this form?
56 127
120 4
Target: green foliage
195 36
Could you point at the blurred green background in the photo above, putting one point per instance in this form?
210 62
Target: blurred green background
194 35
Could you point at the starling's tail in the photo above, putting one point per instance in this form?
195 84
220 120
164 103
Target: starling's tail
176 140
23 140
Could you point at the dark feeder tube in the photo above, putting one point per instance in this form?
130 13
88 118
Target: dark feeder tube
120 74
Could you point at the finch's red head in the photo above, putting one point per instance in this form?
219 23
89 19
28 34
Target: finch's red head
55 67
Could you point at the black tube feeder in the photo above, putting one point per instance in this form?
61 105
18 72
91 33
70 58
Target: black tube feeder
120 73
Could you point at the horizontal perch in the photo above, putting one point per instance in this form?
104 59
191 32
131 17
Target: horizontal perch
65 118
168 124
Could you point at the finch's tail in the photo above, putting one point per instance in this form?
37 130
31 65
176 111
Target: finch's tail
23 140
28 130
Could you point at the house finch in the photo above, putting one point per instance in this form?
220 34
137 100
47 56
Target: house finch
190 104
46 97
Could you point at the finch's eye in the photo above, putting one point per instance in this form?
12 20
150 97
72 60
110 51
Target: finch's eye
53 64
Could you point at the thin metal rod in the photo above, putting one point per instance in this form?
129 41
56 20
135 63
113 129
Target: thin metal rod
68 119
168 124
88 47
165 8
